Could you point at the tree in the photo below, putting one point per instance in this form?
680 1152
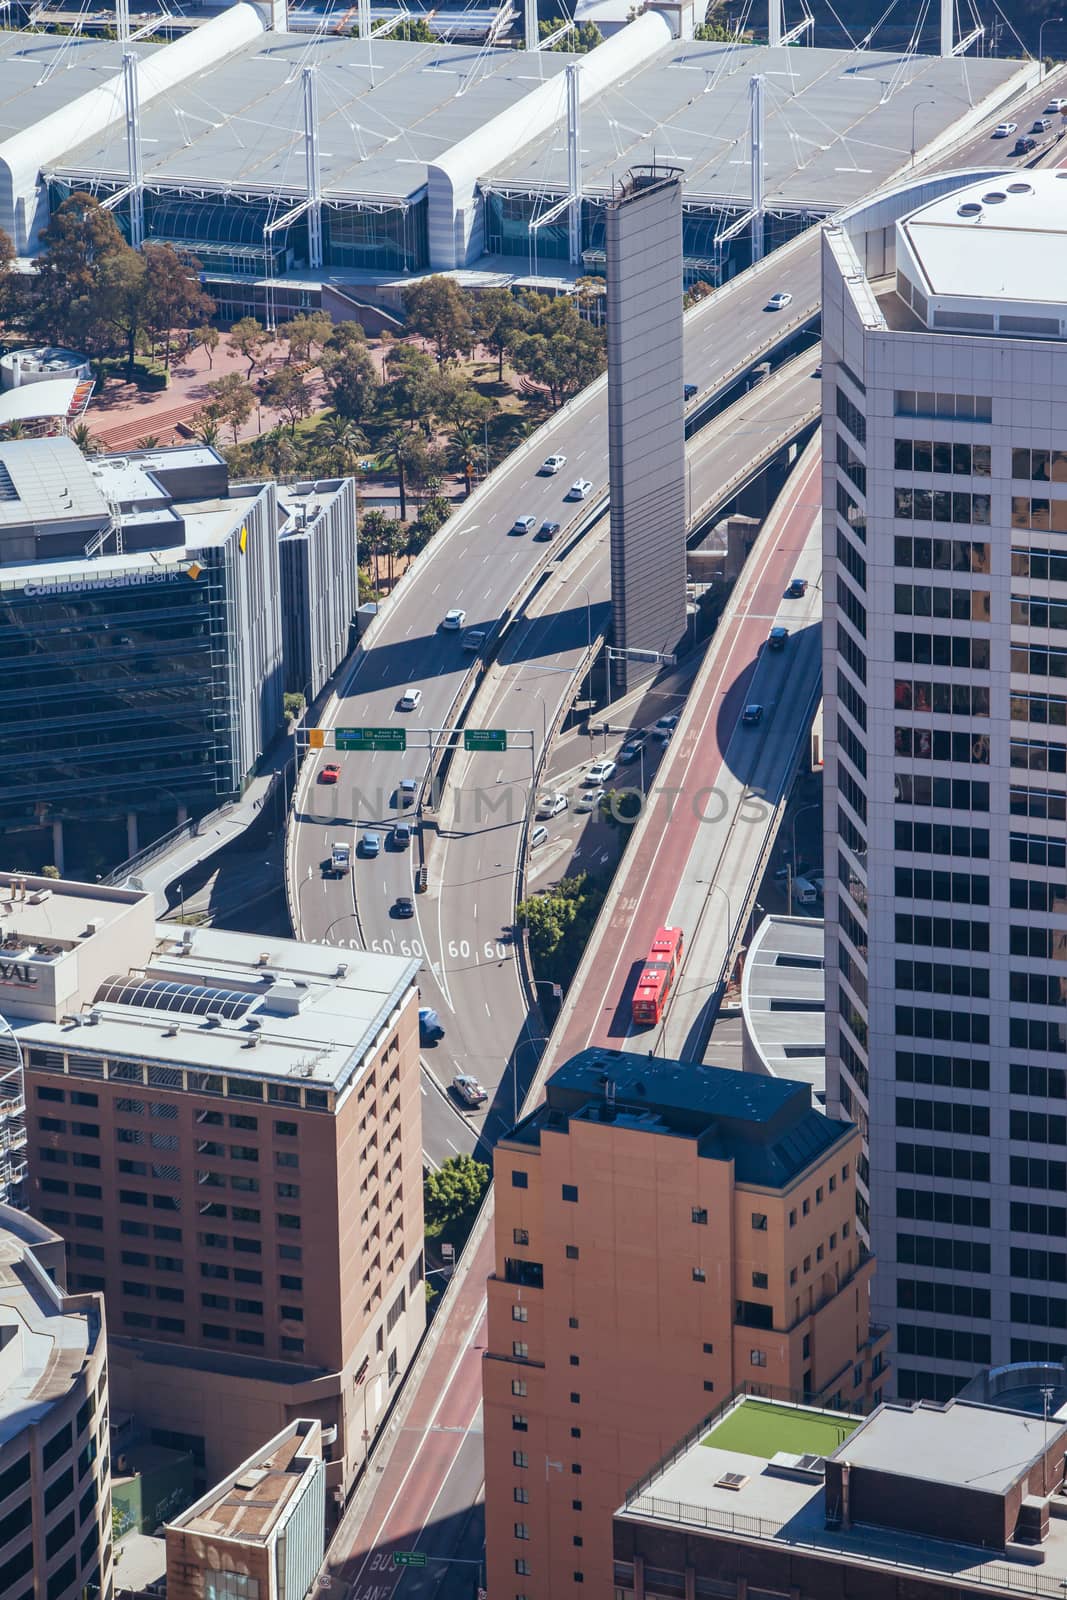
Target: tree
174 298
465 450
374 532
343 443
293 706
208 338
286 390
79 237
234 400
207 424
248 338
85 439
453 1193
351 376
414 30
438 309
305 330
121 288
498 317
583 36
559 924
412 384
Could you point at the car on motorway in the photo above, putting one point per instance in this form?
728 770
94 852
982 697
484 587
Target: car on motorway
798 588
538 836
1023 147
410 700
330 773
665 727
1040 125
776 639
430 1029
371 845
804 892
546 532
404 906
340 862
550 805
752 715
779 300
406 790
631 750
522 524
1057 103
551 465
689 391
402 836
469 1090
473 640
453 620
590 800
580 489
1004 130
599 772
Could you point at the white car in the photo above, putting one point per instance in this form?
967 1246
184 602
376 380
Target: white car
579 489
523 524
552 464
1056 104
779 301
600 772
411 699
550 805
469 1090
453 620
1004 130
590 800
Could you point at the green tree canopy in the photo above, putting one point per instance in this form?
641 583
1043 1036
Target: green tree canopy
453 1193
438 309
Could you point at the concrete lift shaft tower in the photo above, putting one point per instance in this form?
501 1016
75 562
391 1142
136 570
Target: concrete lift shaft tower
646 419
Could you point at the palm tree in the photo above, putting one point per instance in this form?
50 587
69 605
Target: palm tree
463 449
398 452
84 438
344 442
149 442
281 451
206 427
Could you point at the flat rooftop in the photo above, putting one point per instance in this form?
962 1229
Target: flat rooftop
765 1427
249 1504
42 72
46 480
1000 239
838 123
989 1448
52 1344
386 110
783 1001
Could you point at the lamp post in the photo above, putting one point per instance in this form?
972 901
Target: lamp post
917 107
1041 35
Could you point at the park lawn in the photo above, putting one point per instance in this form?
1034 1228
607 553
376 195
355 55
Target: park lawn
760 1428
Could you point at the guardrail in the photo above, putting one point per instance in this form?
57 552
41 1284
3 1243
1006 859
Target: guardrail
758 464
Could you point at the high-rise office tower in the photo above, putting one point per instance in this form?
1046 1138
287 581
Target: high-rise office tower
646 416
665 1232
945 679
227 1131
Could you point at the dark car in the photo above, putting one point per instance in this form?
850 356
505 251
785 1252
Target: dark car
405 906
689 391
752 715
546 532
776 638
430 1029
797 589
1023 147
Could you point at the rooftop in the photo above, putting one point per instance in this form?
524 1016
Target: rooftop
766 1126
41 73
783 1001
837 123
250 1503
46 480
976 1447
386 110
1002 238
45 1338
101 978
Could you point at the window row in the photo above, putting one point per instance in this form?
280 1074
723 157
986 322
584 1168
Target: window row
942 407
955 794
943 505
935 600
941 839
942 650
949 1072
1043 515
946 933
941 699
1048 566
941 555
937 744
926 883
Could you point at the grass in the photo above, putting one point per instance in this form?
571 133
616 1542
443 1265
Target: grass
760 1428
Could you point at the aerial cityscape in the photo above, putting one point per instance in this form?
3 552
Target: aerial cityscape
533 876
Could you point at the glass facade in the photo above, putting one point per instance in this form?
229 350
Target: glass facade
115 697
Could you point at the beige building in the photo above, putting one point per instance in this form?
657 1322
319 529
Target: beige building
260 1535
665 1233
227 1131
55 1474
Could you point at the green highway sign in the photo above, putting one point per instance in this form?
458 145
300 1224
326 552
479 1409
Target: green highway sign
370 739
485 739
409 1558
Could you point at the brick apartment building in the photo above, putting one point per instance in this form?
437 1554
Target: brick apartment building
664 1233
227 1132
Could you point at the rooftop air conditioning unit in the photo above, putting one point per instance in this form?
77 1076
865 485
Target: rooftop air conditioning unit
263 959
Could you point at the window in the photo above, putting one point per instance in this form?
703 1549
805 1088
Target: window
709 1386
522 1567
520 1495
572 1322
758 1358
518 1387
576 1433
519 1314
520 1180
572 1252
519 1458
699 1214
519 1422
699 1275
570 1193
759 1280
709 1349
522 1530
576 1398
759 1221
520 1349
520 1235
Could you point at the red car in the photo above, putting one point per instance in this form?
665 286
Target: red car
330 774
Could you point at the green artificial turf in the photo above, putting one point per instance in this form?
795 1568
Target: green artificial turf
760 1428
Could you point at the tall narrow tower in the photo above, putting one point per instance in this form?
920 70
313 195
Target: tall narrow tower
646 422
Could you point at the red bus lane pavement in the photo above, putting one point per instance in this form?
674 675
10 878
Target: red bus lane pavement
652 871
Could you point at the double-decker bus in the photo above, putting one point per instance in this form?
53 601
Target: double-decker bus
656 978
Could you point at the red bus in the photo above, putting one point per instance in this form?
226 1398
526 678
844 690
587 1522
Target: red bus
656 978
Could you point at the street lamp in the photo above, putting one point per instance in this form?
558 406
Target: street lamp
917 107
1041 34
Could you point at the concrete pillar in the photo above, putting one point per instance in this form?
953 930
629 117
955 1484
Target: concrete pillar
57 845
131 834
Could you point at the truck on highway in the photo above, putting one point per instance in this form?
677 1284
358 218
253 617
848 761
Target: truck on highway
340 860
